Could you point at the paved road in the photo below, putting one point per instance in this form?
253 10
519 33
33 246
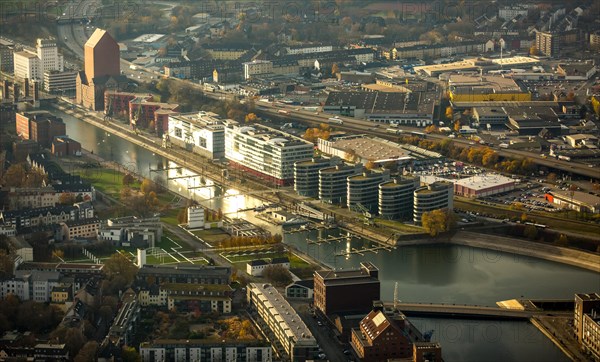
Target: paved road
324 334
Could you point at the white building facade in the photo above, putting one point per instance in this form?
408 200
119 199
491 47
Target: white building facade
265 152
202 133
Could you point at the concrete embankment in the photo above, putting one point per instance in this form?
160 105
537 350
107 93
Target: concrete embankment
578 258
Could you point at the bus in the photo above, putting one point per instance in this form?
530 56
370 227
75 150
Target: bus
281 111
393 130
335 120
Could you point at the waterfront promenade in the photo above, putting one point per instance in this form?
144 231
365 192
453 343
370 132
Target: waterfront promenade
382 235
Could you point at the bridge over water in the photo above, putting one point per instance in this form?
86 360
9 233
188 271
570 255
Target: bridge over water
462 311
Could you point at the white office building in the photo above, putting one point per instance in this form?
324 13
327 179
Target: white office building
265 152
202 133
26 65
47 53
33 65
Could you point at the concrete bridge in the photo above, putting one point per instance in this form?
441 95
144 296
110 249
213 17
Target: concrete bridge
462 311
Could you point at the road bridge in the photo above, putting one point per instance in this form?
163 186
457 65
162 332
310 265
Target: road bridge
461 311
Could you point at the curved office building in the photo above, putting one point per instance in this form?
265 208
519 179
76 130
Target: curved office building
438 195
396 198
363 189
333 182
306 175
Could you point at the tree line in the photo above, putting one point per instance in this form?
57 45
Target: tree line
478 155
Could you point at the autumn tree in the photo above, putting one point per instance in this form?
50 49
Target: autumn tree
449 113
250 118
457 125
129 354
66 198
437 221
370 165
148 186
87 353
15 176
335 69
562 240
7 265
119 265
533 50
128 179
431 129
182 216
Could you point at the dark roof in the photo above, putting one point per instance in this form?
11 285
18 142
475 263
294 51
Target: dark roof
280 260
308 283
257 262
54 210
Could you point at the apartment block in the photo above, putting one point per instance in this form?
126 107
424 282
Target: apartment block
276 317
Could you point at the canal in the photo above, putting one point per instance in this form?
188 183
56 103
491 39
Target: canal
434 273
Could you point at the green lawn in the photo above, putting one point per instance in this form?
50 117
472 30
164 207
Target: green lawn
212 236
400 226
169 216
106 180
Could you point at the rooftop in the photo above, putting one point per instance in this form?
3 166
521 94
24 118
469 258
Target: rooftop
484 181
371 148
383 102
282 311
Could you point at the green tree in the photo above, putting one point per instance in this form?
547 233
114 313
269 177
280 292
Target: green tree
278 275
119 265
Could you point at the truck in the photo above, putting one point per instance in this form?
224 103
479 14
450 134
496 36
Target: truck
281 111
393 130
133 66
335 120
503 145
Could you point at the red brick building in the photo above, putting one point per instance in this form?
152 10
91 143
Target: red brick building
65 146
116 104
23 148
339 291
142 111
39 126
102 71
381 337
